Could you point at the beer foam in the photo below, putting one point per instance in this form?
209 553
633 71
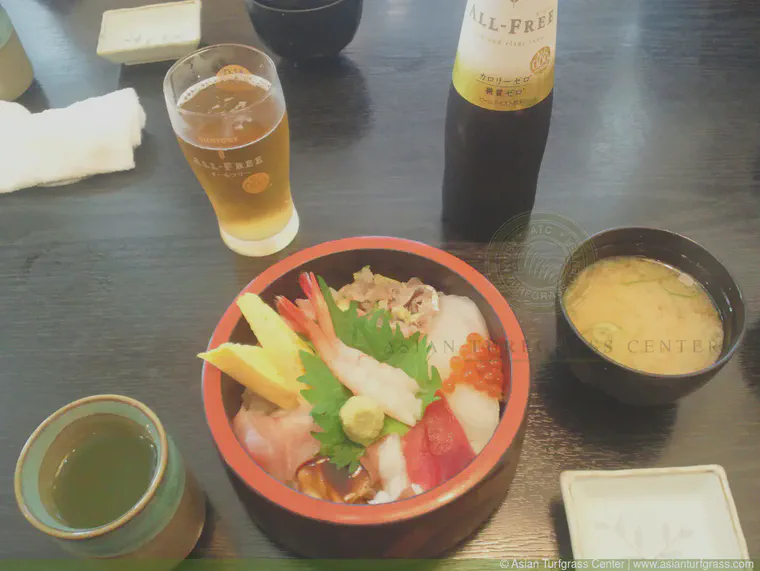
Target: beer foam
254 80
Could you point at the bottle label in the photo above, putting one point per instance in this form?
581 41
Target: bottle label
505 59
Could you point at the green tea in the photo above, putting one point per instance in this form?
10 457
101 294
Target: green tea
105 472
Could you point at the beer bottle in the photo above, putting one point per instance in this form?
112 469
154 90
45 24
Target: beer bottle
499 108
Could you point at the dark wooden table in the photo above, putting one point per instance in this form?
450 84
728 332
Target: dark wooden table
115 283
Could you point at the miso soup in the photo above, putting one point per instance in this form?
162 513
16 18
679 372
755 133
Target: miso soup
645 315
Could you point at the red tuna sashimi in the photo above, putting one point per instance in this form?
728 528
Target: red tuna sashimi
436 449
279 443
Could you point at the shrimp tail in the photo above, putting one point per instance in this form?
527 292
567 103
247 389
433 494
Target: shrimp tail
300 323
308 283
288 312
310 287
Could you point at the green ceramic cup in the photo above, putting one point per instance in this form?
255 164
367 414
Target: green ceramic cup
16 72
160 529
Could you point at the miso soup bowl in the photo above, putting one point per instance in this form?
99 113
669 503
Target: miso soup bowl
425 525
628 385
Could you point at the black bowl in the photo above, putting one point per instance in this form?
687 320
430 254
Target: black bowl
623 383
302 30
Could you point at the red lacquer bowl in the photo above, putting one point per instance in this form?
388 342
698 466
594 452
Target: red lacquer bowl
422 526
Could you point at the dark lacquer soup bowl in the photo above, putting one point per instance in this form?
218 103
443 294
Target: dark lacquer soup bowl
424 525
302 30
632 386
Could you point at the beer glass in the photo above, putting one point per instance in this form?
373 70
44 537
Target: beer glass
227 109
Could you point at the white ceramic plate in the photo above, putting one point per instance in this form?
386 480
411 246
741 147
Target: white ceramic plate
660 513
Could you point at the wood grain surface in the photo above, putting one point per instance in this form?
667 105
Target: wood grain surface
112 285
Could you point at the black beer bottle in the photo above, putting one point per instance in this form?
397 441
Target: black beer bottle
498 114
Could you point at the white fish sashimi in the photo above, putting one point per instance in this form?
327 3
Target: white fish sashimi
457 318
477 412
391 465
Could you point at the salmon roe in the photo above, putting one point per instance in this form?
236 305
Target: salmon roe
478 364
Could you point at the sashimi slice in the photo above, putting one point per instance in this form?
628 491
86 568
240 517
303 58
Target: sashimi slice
457 318
421 466
279 443
391 468
477 413
437 448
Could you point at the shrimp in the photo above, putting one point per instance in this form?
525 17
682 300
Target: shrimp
391 388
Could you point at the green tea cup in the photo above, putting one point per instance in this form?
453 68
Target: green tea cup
160 529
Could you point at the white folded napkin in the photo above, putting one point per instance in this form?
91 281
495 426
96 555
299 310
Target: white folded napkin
59 146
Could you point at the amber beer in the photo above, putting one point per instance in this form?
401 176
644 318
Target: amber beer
498 113
233 130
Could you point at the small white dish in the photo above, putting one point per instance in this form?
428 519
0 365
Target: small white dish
658 513
157 32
